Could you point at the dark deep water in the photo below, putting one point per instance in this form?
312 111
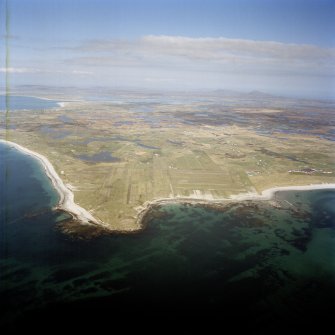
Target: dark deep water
252 266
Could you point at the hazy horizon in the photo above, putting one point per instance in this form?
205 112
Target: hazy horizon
279 47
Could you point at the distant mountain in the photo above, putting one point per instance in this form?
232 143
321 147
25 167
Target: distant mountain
252 94
102 90
259 94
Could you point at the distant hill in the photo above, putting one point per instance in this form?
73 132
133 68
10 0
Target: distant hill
252 94
259 94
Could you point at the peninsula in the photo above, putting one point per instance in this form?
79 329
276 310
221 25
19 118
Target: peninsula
111 160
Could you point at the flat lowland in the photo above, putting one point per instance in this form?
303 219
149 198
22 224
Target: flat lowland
120 152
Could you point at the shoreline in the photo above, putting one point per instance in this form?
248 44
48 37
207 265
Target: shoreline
266 195
60 104
66 201
42 98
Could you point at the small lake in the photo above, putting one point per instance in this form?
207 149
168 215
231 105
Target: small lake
102 156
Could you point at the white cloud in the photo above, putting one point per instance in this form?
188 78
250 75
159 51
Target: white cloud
220 48
42 71
209 54
80 72
158 80
184 63
15 70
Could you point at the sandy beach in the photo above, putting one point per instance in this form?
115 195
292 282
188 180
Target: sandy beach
267 194
66 201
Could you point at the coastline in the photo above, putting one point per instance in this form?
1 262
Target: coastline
265 195
66 201
60 104
270 192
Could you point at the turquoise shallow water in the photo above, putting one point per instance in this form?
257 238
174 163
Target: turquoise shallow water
266 266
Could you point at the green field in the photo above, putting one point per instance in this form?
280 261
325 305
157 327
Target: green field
171 151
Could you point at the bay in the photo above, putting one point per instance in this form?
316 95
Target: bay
15 102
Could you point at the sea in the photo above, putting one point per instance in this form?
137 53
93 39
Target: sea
248 264
16 102
251 259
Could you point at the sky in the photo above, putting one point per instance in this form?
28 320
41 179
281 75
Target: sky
284 47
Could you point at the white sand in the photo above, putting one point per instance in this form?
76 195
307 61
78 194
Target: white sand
268 194
265 195
66 201
62 104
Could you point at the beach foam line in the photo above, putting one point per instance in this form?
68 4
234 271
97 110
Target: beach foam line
267 194
66 201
